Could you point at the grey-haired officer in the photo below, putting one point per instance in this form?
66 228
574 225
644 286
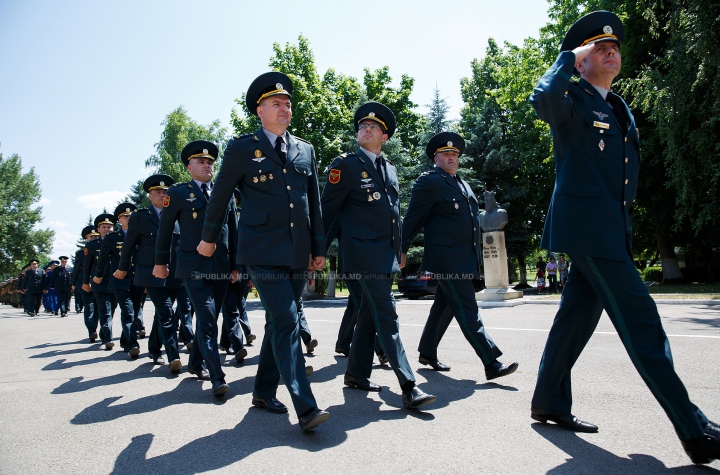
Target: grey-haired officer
362 187
280 236
89 305
141 235
104 225
597 161
61 281
206 278
443 206
33 287
110 256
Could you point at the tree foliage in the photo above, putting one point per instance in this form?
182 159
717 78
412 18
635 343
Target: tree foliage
179 130
19 240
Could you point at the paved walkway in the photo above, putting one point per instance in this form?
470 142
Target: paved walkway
68 407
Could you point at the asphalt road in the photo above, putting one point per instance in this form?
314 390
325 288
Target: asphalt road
68 407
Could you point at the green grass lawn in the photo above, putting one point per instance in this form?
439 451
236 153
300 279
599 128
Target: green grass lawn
677 291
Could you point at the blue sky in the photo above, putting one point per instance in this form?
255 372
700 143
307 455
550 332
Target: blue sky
85 84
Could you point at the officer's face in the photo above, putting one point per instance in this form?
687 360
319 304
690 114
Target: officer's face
275 112
449 161
602 62
201 169
63 262
33 265
123 220
371 135
156 197
103 229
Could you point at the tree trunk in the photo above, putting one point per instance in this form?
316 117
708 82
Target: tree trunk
331 279
522 271
668 260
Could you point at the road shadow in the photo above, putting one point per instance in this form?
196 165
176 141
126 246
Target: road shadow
222 449
590 459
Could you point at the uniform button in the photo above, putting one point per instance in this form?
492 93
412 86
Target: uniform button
471 214
393 220
288 187
284 170
624 203
292 225
626 182
626 139
292 205
626 160
474 229
602 131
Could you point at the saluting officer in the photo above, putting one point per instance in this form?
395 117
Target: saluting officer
33 286
104 224
446 209
363 188
280 236
597 161
89 305
110 256
62 283
142 234
206 278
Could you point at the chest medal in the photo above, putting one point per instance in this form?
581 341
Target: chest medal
601 145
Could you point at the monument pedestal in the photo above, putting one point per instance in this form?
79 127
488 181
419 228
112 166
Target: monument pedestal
497 281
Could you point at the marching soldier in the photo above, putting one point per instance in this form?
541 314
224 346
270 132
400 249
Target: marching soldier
33 287
445 208
62 283
597 161
142 234
205 278
110 256
100 287
88 299
280 236
363 188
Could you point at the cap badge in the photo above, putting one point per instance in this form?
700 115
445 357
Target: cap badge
279 86
205 150
449 143
607 30
127 210
162 183
372 114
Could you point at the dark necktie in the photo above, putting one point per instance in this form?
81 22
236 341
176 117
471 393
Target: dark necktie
460 184
617 107
278 149
204 188
379 165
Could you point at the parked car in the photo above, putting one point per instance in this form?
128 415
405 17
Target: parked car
414 283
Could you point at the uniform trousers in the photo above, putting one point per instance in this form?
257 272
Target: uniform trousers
456 297
280 289
64 300
242 293
79 304
232 335
594 285
378 316
164 326
105 315
207 297
89 311
137 295
34 302
349 320
182 317
128 337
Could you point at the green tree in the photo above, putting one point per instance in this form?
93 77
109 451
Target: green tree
138 196
179 130
19 240
507 147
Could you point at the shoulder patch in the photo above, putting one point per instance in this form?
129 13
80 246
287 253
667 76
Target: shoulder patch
334 176
166 201
238 137
301 139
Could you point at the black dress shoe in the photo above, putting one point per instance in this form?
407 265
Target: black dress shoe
311 346
341 351
134 352
434 363
157 359
141 334
188 346
240 355
417 398
704 449
220 388
271 404
202 375
93 337
361 383
383 359
314 419
250 338
497 369
566 421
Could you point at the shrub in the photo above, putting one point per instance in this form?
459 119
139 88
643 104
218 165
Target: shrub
652 274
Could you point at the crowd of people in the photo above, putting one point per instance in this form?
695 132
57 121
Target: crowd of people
262 219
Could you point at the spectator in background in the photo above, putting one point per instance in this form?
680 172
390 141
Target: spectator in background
563 266
552 275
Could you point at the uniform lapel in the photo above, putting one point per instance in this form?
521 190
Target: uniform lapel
293 149
600 102
266 147
197 191
153 216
